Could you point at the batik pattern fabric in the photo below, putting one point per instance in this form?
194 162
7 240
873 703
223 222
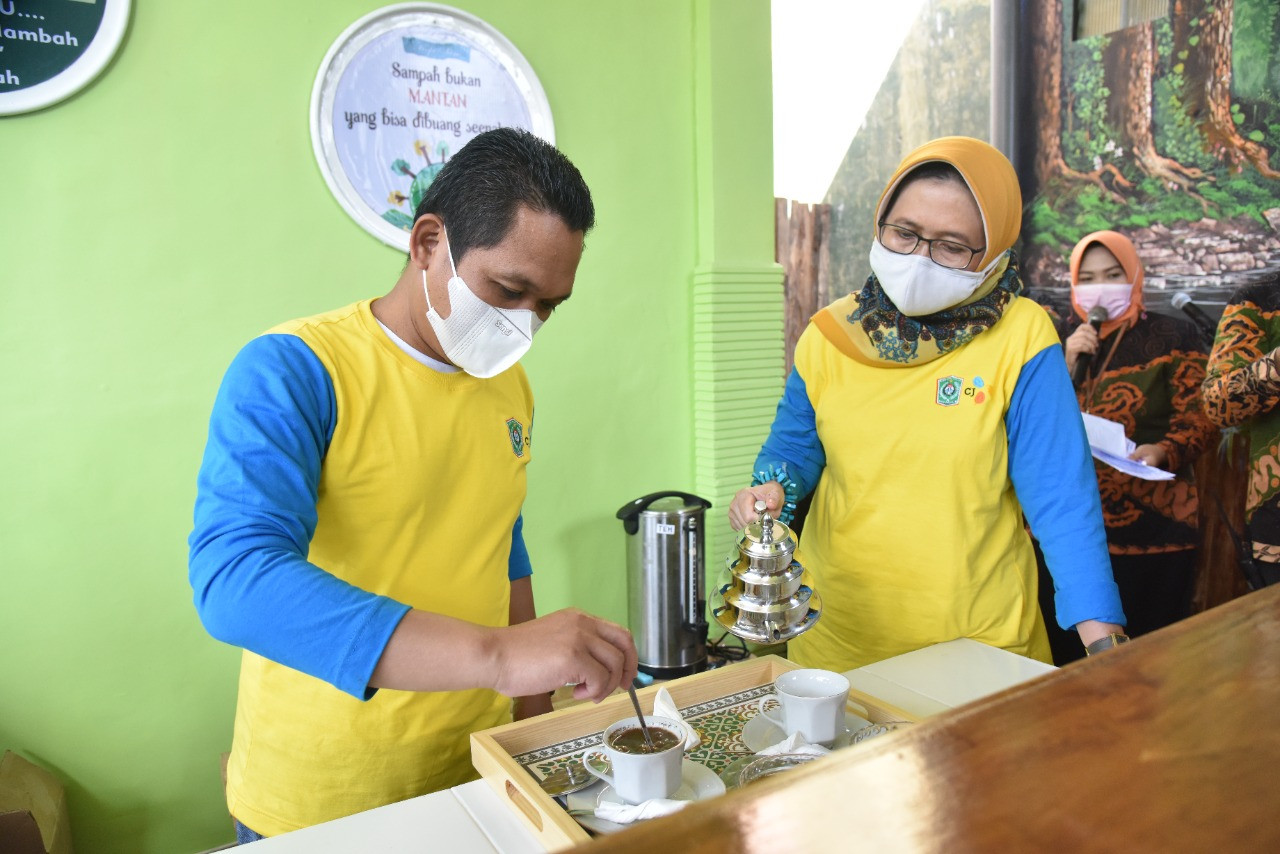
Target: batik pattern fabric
1149 382
1242 389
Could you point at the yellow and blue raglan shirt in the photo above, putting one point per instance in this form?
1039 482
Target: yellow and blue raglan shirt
921 475
345 482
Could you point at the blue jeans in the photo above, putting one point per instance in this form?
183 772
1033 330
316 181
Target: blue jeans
244 834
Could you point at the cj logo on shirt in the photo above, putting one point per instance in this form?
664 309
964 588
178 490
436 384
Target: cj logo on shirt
515 431
952 389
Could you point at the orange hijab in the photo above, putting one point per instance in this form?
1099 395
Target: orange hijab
1121 247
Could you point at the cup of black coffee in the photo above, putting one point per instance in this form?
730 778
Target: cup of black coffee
632 740
640 772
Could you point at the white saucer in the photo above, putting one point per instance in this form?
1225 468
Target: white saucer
697 783
760 732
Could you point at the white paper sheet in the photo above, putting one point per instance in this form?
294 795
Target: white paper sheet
1109 444
1132 467
1107 436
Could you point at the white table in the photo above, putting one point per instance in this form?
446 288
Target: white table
472 818
469 817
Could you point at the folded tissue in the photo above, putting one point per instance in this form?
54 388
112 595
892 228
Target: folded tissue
628 813
794 743
664 706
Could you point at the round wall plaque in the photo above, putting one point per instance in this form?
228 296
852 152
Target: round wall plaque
51 49
399 92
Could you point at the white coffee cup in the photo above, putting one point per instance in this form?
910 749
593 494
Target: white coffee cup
811 703
639 777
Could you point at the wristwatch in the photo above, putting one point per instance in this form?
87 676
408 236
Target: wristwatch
1113 639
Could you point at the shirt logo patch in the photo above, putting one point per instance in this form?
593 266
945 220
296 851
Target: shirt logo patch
515 431
952 389
949 390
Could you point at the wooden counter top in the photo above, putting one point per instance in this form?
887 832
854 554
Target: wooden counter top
1171 743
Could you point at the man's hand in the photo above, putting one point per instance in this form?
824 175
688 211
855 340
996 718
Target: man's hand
432 652
1083 340
742 511
567 647
1150 455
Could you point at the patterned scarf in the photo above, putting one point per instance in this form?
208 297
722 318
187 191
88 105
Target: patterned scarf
881 333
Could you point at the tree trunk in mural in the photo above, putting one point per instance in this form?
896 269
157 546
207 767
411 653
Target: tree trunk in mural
1046 25
1133 55
1208 49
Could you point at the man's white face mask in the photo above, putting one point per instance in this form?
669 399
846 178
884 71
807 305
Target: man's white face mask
482 339
918 285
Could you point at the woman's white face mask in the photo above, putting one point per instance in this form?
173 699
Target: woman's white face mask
482 339
918 285
1114 297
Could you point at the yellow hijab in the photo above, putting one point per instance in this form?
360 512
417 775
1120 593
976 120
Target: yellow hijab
1127 254
866 326
990 177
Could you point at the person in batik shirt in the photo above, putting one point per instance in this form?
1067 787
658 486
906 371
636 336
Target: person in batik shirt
1144 372
1242 390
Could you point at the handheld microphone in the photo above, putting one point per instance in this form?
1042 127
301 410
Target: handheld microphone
1097 316
1205 323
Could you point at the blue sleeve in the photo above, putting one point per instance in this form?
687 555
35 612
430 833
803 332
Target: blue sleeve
793 442
255 515
1052 473
518 564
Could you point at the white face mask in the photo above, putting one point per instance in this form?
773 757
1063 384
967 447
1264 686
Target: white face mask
1115 298
482 339
918 285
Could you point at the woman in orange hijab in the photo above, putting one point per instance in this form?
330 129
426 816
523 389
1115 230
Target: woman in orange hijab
1142 370
927 413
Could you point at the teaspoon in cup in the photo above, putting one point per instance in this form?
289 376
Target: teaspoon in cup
644 727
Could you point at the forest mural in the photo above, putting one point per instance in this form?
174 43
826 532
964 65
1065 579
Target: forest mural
938 85
1168 132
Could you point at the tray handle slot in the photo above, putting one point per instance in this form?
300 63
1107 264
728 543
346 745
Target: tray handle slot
522 804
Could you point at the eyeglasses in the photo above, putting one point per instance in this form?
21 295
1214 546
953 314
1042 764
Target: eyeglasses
948 253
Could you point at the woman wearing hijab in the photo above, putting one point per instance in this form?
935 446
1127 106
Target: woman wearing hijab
928 412
1144 371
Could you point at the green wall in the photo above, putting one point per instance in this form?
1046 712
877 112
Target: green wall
159 219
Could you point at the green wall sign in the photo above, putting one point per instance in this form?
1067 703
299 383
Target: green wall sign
51 49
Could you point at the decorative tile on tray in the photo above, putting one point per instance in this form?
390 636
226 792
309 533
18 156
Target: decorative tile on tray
719 722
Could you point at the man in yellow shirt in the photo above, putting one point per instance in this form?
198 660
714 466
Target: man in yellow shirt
358 526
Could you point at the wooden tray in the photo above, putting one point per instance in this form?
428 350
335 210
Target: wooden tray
513 757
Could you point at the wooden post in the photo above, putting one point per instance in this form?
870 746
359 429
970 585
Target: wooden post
802 243
1222 480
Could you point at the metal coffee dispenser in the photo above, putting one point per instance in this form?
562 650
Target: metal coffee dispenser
666 585
761 596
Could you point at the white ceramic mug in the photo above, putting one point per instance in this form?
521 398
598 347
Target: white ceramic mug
811 703
639 777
